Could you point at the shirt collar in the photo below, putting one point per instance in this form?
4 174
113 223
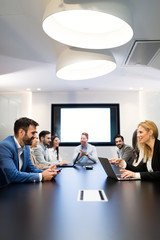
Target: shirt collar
84 147
18 145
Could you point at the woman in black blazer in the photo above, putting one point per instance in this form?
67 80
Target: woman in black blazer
149 169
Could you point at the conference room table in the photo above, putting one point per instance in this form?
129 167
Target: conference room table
52 210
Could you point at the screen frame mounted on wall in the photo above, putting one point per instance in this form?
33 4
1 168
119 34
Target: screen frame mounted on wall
115 121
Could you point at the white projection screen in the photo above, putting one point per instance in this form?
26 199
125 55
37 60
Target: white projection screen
94 121
100 121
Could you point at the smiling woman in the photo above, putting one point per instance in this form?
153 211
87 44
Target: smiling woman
147 135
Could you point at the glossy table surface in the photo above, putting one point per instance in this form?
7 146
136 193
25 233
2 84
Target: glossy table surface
50 210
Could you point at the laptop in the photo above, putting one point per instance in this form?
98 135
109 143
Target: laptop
71 164
111 173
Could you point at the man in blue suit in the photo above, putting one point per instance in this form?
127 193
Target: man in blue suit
15 162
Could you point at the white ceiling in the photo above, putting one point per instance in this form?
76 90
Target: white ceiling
28 56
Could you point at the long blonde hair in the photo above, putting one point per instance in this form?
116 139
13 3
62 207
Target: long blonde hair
147 125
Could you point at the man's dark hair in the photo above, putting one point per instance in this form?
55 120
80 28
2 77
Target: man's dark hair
23 123
119 136
43 134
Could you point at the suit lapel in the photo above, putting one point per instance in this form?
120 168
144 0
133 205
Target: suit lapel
24 159
16 158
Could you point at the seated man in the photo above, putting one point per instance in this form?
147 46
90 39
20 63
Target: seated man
15 162
42 151
124 152
86 152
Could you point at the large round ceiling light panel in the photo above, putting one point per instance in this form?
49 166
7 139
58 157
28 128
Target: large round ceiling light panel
80 65
92 25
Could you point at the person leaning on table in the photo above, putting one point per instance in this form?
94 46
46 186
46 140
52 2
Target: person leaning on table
124 151
53 152
15 162
85 152
149 168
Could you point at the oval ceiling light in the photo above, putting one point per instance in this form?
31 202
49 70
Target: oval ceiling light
89 24
80 65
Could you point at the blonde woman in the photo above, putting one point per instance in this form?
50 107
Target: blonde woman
149 169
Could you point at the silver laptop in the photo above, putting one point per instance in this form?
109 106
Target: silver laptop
111 173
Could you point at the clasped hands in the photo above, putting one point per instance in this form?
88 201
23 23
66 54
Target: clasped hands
50 173
121 163
83 153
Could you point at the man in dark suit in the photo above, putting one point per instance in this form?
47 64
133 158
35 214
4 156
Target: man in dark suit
124 152
15 162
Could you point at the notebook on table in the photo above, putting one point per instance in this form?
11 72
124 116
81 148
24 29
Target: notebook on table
111 173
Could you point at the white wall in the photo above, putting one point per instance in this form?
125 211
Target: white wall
12 107
134 107
149 107
129 108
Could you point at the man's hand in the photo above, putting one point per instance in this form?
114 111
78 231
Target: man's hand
83 153
117 162
49 174
52 167
61 163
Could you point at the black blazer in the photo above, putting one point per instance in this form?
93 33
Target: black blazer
142 168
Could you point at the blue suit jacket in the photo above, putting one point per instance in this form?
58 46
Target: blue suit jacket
9 163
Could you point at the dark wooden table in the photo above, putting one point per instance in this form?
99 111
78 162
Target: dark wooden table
50 210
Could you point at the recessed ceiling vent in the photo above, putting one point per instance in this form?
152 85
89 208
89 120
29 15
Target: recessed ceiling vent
144 53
